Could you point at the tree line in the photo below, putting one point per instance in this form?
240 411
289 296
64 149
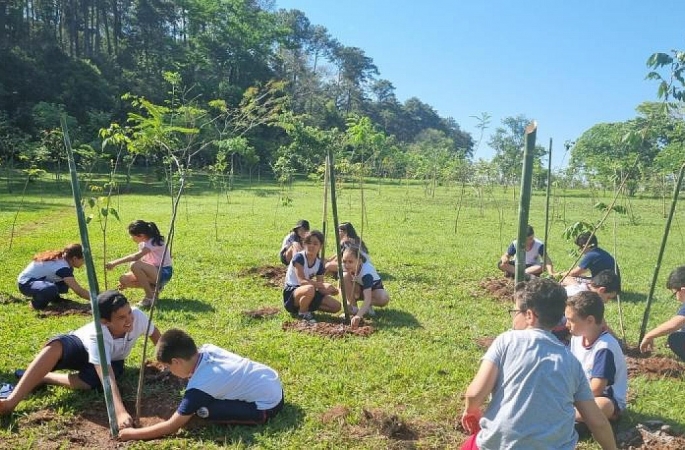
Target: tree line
242 85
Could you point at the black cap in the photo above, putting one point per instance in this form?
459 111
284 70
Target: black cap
301 224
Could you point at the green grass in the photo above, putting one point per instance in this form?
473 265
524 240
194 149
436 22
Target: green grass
417 363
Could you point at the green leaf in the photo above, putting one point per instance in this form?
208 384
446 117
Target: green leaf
114 212
91 202
103 212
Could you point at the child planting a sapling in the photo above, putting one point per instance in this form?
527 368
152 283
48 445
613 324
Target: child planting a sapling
599 353
675 326
78 350
222 387
534 381
361 282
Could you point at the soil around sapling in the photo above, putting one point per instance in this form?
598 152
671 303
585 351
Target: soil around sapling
332 330
262 313
64 307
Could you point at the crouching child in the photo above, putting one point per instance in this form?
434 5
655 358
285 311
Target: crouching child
222 387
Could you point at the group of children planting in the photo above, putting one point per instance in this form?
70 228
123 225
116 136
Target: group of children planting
543 386
541 383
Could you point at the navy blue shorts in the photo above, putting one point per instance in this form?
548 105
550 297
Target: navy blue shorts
240 413
378 284
167 272
75 357
289 300
282 257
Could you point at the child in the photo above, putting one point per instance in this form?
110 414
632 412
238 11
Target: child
52 273
222 387
292 243
594 261
598 352
534 381
348 237
535 250
146 261
304 289
675 326
78 350
362 282
605 283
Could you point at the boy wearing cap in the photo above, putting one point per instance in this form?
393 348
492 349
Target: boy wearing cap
292 243
222 387
78 350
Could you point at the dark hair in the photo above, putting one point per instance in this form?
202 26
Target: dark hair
70 251
545 297
583 238
586 304
355 251
175 343
149 229
109 302
608 280
301 224
352 235
314 233
676 280
529 231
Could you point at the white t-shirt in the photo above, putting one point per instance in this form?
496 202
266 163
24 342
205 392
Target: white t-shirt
309 271
54 271
227 376
115 349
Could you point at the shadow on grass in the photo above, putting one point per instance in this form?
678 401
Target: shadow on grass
6 298
388 317
184 304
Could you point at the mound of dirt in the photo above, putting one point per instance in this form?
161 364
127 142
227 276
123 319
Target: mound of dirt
262 313
651 435
500 288
327 329
65 307
653 366
273 275
389 425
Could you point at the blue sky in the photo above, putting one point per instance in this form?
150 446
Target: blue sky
568 65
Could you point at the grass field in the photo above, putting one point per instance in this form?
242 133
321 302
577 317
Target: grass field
398 388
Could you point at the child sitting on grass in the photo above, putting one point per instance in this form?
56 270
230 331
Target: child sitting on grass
362 282
535 251
305 290
534 381
599 353
78 350
222 387
675 326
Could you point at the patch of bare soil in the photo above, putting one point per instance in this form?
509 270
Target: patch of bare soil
327 329
90 428
397 432
653 366
651 435
273 275
262 313
64 307
500 288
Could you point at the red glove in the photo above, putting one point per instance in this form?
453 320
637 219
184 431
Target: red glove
471 422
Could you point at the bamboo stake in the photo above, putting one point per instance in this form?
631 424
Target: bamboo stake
334 210
92 281
676 192
325 211
549 183
524 199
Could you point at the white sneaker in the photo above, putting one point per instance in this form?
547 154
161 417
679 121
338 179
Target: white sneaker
371 312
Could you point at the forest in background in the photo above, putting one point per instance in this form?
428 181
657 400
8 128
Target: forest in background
240 85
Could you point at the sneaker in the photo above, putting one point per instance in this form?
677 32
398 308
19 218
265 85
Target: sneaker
145 303
371 312
5 390
19 373
307 317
